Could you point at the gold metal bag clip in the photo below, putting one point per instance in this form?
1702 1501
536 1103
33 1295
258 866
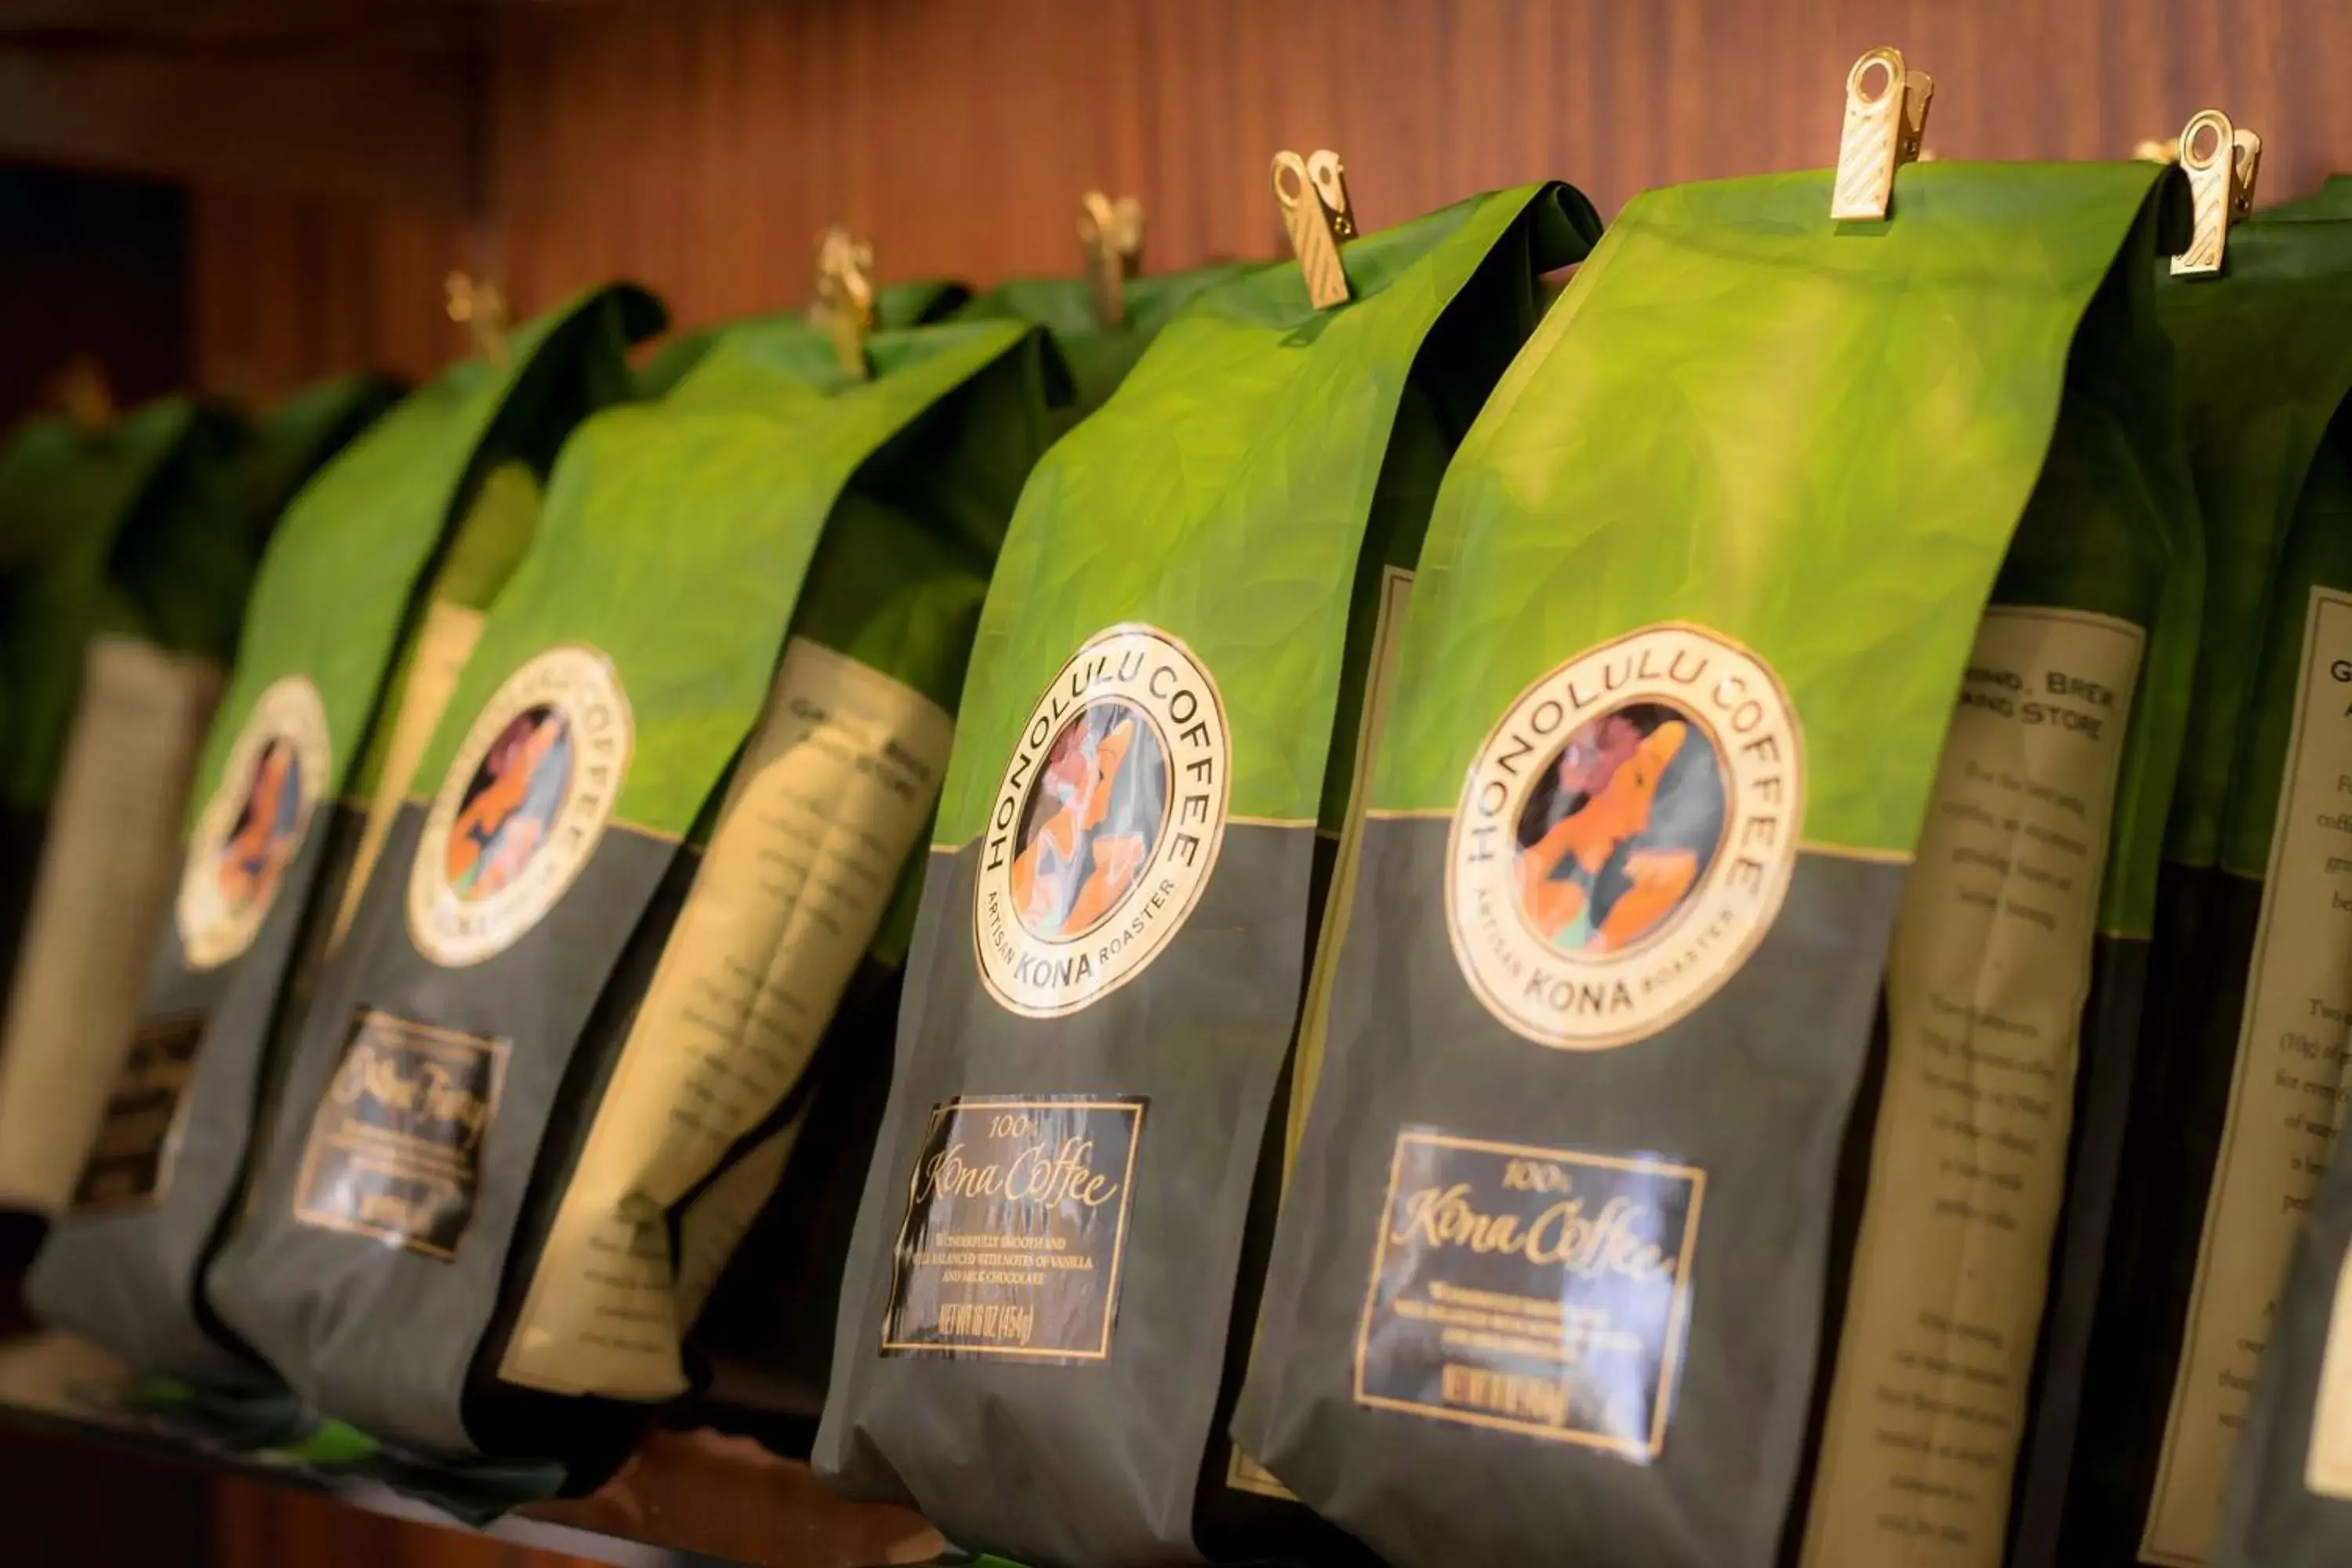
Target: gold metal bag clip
481 307
1886 116
844 305
2222 162
1313 195
1111 234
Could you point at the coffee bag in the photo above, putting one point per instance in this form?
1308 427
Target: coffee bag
2289 1501
289 444
77 501
1098 350
85 497
535 1099
1683 1171
766 1335
2234 1118
1047 1288
149 681
2332 200
897 305
269 838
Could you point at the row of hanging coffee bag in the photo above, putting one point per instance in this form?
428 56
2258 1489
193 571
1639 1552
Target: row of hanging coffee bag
1703 919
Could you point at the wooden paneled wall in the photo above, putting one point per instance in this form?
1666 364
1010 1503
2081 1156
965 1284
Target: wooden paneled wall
91 268
697 147
283 288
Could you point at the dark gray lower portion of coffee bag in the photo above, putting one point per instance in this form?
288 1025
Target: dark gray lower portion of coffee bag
1574 1296
368 1266
125 1275
1041 1376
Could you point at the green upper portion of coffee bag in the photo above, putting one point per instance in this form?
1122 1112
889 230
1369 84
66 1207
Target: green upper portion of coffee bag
488 545
2315 552
335 590
2332 200
1099 354
2264 358
1179 462
295 439
899 576
137 529
2112 529
56 474
728 484
1862 495
896 307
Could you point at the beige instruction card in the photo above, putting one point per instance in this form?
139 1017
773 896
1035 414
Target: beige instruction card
1985 988
108 871
713 1223
834 788
2286 1099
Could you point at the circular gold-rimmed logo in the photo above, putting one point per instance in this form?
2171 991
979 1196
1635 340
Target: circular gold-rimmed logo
254 822
1105 825
1625 837
521 808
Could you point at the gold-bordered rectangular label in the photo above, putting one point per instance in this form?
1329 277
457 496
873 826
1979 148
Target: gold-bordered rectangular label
129 1165
395 1150
1530 1289
1015 1229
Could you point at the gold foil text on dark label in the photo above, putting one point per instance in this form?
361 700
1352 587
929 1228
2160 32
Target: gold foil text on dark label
395 1149
130 1162
1015 1224
1542 1291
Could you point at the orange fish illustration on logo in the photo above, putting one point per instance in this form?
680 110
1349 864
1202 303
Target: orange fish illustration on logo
1083 859
262 839
1648 810
516 795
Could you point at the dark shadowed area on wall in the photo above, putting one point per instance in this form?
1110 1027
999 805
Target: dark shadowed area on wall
91 268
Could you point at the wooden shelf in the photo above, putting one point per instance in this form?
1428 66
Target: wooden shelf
686 1500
